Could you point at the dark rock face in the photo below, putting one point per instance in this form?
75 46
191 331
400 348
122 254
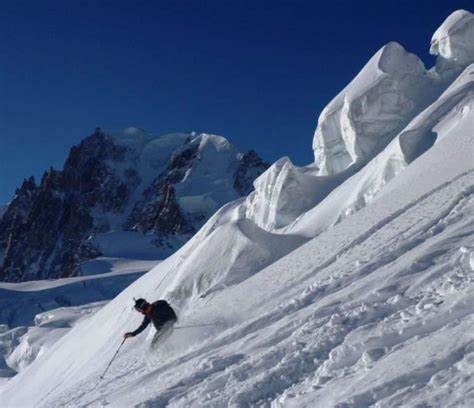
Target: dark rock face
161 213
88 173
249 168
46 239
18 209
180 163
44 231
159 210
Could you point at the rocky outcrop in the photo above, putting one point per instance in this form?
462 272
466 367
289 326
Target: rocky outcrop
162 213
250 166
43 231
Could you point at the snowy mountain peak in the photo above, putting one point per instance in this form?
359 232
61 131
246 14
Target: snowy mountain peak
151 149
454 39
130 137
113 182
218 143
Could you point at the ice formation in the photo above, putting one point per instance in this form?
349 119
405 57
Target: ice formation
285 191
393 98
371 110
453 40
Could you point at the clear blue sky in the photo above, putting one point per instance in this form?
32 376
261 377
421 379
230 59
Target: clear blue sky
256 72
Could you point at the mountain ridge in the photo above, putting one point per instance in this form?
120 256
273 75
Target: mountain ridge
165 187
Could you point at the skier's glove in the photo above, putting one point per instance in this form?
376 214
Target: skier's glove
127 335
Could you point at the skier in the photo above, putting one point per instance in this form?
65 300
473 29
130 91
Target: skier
159 312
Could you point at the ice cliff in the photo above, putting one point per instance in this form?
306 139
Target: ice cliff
393 98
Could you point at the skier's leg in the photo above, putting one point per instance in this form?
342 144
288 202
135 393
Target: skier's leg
163 331
157 335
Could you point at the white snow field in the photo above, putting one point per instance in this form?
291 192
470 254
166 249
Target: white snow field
348 285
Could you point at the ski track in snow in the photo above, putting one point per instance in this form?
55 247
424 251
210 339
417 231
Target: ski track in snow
331 336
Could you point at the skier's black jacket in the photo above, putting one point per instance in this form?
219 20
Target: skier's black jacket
160 313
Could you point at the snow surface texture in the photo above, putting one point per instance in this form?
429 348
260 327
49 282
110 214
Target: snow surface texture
365 298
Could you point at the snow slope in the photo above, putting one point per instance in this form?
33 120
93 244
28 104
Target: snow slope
390 286
361 296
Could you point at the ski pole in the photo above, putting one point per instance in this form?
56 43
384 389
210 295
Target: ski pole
190 326
123 341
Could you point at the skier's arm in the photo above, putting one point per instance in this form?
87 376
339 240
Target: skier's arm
145 323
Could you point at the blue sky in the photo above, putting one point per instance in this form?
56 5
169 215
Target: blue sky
256 72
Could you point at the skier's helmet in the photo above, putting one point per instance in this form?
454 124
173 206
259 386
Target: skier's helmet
140 304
